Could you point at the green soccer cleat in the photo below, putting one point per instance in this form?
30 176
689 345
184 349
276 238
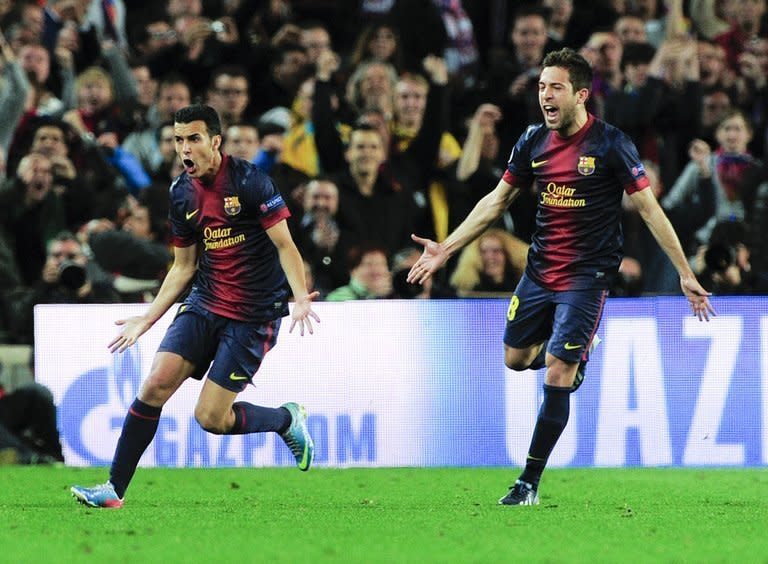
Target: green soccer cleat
297 437
521 493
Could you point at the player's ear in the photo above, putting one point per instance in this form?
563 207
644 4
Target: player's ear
583 95
216 142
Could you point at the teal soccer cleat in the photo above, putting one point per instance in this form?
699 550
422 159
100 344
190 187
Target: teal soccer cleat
103 495
297 436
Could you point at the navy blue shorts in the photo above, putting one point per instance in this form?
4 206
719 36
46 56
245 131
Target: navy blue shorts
233 349
568 319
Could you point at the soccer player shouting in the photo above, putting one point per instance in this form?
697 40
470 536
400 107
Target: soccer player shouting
580 165
231 238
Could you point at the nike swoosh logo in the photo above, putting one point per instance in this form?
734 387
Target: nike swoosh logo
192 214
235 377
570 347
537 164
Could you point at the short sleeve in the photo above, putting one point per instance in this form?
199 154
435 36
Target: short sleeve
182 234
519 170
629 168
271 206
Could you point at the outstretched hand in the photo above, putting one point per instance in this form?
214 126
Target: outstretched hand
698 297
134 327
302 313
431 260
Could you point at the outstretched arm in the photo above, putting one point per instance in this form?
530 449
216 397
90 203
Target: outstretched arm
665 235
290 260
176 281
485 212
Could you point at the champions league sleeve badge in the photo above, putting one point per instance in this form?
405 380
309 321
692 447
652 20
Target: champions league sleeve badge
232 205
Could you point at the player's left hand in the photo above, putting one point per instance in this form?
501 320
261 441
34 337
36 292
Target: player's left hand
698 297
302 313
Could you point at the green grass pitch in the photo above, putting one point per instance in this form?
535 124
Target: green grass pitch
388 515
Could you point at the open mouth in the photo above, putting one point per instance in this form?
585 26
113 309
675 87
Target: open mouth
189 166
551 113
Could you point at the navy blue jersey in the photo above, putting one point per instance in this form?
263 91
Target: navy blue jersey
579 183
239 274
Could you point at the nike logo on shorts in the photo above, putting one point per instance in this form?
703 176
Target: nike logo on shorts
570 347
236 377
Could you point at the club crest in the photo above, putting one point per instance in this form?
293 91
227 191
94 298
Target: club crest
232 205
586 165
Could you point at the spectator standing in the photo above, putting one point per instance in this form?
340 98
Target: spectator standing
714 176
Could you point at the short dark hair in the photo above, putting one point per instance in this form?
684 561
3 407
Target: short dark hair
528 10
62 237
637 54
235 71
356 253
173 77
577 66
200 112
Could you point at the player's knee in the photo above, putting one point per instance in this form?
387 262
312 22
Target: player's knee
157 390
561 373
210 421
516 361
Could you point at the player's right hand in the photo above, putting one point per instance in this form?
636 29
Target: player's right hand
431 260
134 327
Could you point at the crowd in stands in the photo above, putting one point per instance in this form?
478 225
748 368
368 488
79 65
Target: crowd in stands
376 119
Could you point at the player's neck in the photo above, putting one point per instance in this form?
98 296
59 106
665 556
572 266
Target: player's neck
208 178
579 121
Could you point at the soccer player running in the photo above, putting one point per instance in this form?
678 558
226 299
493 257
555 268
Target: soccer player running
580 165
230 237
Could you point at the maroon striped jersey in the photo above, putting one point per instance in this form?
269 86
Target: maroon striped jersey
579 182
239 274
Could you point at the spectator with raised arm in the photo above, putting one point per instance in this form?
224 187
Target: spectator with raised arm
714 176
676 65
31 213
14 89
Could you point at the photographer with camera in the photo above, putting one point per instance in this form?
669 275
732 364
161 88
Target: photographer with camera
31 213
67 277
725 264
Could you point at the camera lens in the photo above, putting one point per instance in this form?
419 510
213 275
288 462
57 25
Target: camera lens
719 257
72 275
